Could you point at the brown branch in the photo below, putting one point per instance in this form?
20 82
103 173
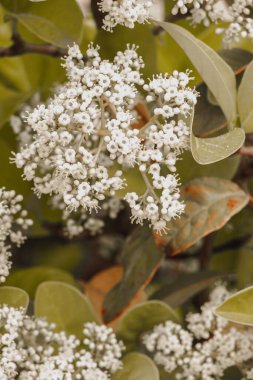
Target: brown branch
246 151
22 48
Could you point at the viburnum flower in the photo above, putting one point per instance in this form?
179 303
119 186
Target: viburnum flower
84 139
240 22
124 12
77 223
238 16
14 222
31 349
205 348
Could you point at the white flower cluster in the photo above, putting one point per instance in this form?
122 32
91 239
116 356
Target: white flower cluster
83 221
102 343
30 349
168 343
124 12
238 15
206 348
201 11
84 140
93 223
13 221
24 133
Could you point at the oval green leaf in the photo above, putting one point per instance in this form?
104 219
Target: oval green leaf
13 297
216 73
29 279
137 366
213 149
238 308
142 318
65 306
54 21
45 29
245 99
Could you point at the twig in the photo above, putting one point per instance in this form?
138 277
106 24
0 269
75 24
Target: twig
246 151
21 48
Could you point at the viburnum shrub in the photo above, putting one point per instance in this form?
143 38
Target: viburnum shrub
126 189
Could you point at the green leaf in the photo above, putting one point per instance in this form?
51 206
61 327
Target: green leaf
209 204
176 293
137 366
245 99
140 259
188 168
208 118
213 149
140 319
218 76
13 297
236 58
63 305
56 21
238 308
45 29
29 279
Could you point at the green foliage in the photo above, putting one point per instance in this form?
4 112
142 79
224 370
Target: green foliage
245 102
140 258
238 308
213 149
137 366
220 79
63 305
215 72
13 297
141 318
47 20
176 293
213 202
29 279
189 169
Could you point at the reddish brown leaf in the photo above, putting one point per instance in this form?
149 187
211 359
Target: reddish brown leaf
210 203
100 285
140 259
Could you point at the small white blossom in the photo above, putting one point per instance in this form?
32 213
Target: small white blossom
84 140
238 16
13 222
124 12
240 22
30 349
206 348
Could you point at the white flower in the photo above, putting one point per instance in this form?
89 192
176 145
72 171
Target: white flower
206 348
124 12
30 349
84 141
13 222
